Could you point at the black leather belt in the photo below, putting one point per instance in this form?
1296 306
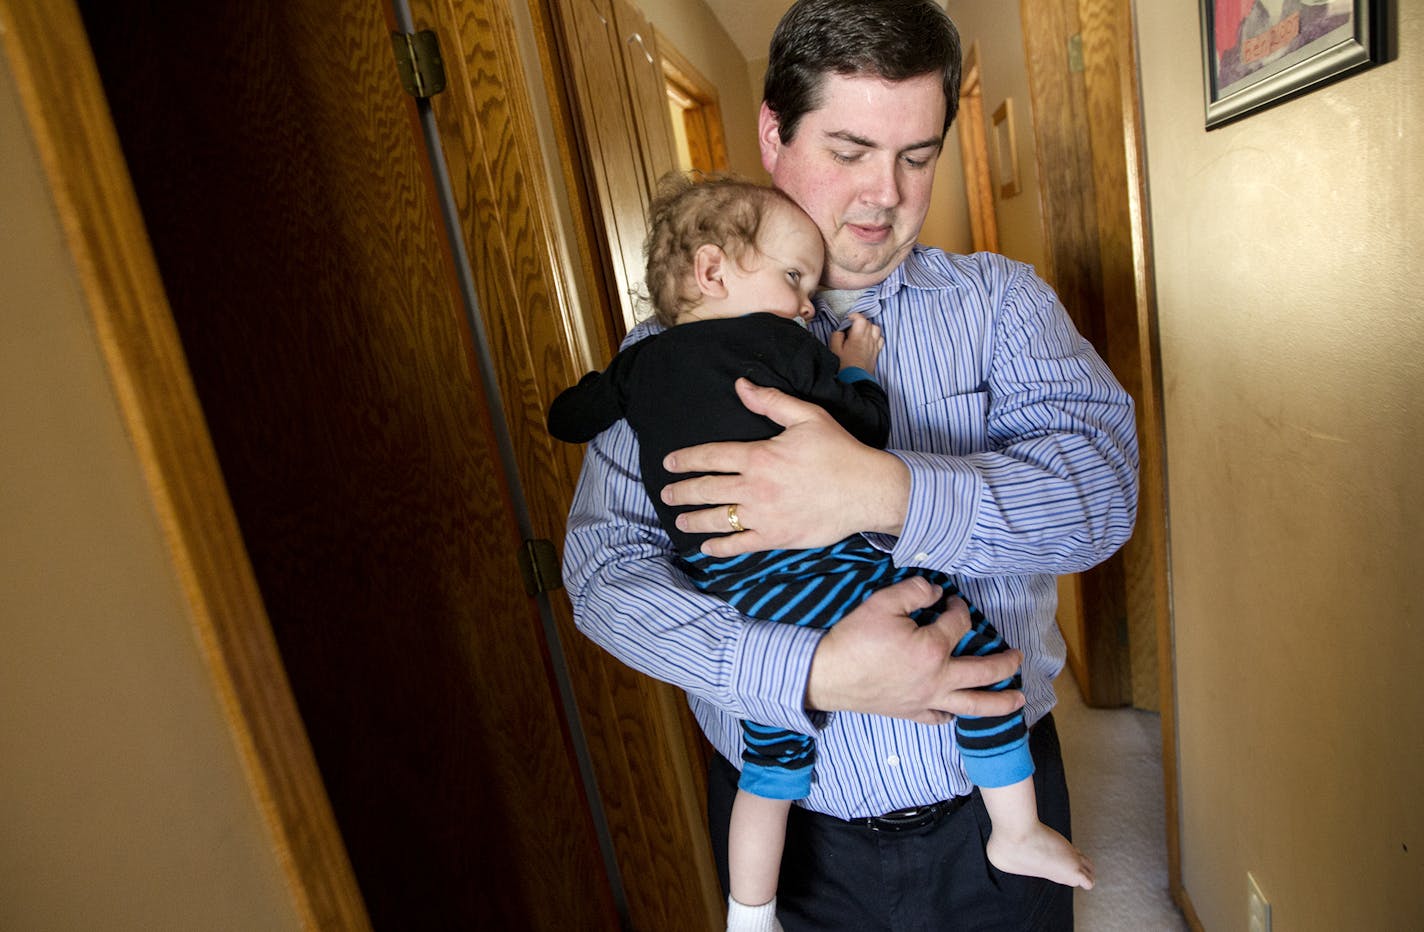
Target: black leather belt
904 820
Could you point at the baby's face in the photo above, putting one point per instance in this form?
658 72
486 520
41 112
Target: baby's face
780 276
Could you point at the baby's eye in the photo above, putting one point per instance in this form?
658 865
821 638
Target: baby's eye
793 276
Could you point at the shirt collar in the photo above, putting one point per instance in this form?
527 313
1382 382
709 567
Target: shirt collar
924 269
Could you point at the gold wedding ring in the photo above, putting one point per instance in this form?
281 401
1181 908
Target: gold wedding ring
733 520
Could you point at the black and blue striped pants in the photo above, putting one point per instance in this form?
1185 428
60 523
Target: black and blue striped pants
816 588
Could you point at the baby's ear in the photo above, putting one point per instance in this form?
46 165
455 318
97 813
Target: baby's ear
708 264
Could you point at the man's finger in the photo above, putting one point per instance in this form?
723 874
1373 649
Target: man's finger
777 405
981 702
985 671
723 457
905 597
732 545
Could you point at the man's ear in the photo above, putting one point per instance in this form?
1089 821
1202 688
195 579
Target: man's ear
708 265
768 137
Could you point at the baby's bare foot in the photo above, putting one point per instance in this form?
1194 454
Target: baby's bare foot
1041 852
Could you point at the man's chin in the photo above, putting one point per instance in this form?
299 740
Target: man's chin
861 267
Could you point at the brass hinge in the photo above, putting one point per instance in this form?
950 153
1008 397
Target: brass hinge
422 71
1075 53
539 563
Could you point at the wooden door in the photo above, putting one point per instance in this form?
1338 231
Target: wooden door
645 748
287 194
642 66
620 114
1087 122
697 103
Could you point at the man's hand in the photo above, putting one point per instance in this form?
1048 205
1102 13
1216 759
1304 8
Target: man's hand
878 662
809 486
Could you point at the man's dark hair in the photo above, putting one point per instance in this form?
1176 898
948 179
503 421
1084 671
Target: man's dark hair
891 39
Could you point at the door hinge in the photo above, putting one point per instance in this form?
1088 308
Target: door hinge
422 70
1075 53
539 562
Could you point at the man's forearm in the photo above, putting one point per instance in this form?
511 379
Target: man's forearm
631 599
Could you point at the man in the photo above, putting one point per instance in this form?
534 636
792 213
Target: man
1012 458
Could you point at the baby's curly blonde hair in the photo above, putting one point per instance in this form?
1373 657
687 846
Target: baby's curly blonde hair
688 213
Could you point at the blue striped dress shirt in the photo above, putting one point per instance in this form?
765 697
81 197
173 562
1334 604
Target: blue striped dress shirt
1022 456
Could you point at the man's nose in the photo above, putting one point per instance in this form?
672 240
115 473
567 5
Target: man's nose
882 183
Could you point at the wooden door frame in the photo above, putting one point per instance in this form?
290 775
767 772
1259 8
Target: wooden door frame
65 106
702 115
974 153
1096 204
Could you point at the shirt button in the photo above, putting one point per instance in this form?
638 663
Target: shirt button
893 760
921 558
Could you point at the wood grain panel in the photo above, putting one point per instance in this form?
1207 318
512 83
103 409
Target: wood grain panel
289 199
643 70
1108 25
590 48
637 729
1103 49
1067 191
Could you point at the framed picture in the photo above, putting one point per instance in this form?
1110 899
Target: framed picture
1256 53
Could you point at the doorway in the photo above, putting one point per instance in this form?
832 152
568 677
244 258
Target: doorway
284 189
974 152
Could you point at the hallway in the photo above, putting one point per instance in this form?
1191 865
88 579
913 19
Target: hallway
1114 761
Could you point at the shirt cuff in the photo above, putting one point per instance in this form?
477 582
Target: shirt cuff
770 671
945 492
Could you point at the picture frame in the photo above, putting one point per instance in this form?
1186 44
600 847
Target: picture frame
1258 53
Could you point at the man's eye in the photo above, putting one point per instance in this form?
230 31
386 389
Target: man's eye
846 158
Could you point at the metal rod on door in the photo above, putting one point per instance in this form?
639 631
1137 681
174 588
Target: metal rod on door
450 216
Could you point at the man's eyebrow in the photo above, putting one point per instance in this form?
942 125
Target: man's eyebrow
847 136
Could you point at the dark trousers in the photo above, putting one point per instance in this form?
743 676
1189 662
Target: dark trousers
841 875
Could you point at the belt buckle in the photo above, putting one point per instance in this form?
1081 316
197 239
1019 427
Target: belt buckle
913 817
904 820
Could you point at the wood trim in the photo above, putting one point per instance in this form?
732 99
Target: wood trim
1109 223
1067 194
65 106
704 118
1189 912
1006 142
1153 507
605 326
1110 55
974 155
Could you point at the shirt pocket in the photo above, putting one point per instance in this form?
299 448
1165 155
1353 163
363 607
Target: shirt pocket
956 424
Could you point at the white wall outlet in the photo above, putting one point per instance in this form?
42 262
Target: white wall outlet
1259 908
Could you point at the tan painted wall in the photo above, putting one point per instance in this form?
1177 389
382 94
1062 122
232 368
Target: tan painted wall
1289 282
690 26
122 799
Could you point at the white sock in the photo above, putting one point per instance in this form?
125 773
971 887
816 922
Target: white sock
741 918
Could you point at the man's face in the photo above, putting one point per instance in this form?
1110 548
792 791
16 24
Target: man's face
861 165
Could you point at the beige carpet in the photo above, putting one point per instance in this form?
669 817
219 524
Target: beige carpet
1114 761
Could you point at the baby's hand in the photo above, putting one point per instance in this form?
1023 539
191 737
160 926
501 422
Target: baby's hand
858 345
